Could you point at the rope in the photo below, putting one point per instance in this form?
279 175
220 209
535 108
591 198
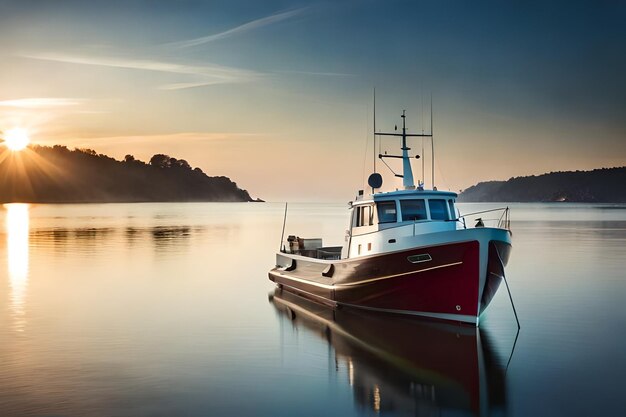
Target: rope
507 287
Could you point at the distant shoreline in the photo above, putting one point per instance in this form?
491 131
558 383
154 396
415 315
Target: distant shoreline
58 175
604 185
123 202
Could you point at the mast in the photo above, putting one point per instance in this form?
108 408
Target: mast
407 174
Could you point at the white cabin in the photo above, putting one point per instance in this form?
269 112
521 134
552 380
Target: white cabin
379 222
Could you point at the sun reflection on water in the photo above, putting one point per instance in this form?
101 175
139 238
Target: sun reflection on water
17 253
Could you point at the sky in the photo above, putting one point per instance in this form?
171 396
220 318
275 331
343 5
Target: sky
278 95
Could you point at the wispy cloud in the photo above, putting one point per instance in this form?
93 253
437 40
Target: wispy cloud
155 138
92 112
41 102
246 27
209 74
200 75
315 73
182 86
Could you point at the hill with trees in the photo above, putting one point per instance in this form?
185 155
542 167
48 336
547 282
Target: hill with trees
41 174
605 185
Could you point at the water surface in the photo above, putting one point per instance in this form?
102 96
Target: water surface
166 309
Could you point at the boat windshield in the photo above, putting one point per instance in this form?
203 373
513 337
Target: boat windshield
386 211
438 209
413 210
452 210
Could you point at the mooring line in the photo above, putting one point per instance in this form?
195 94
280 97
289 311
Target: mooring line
507 287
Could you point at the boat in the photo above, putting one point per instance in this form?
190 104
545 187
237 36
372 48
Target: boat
404 365
406 251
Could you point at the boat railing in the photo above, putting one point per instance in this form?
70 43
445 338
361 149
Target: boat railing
327 253
502 219
311 248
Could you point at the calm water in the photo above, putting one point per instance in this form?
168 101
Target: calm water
164 310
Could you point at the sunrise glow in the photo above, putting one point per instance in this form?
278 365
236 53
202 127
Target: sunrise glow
16 139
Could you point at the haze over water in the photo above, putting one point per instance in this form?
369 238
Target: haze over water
163 309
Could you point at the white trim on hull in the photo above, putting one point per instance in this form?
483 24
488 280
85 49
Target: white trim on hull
365 281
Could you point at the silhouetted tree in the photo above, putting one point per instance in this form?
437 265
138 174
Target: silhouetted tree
160 161
181 163
84 176
600 185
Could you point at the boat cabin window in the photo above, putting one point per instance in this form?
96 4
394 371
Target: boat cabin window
452 210
413 210
364 216
438 209
387 212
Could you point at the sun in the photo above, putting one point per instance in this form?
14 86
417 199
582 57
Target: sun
16 139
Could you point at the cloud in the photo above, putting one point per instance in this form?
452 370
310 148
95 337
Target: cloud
165 137
202 75
314 73
41 102
246 27
182 86
211 74
93 112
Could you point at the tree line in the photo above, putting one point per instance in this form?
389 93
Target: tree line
604 185
60 175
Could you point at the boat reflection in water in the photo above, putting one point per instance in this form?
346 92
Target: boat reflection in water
406 365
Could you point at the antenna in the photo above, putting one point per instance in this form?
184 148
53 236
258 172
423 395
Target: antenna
423 159
374 132
423 173
407 172
432 140
282 235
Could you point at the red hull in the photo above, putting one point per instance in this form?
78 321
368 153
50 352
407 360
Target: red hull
445 281
451 287
441 281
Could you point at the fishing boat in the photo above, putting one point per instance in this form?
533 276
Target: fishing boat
406 251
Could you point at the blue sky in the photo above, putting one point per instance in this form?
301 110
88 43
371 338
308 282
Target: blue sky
278 94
